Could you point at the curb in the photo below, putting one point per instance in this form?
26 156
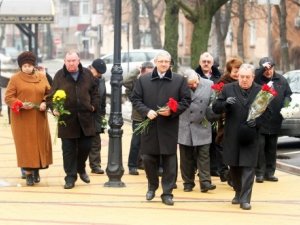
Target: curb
288 168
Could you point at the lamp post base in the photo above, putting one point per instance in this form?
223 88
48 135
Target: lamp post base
114 184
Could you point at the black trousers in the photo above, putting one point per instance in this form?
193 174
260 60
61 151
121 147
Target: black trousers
95 152
168 179
266 164
75 154
192 158
242 179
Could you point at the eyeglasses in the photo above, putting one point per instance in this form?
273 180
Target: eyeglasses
206 61
163 61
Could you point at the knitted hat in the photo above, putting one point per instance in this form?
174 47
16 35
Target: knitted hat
266 60
99 65
26 57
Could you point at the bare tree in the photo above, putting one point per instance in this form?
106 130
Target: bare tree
222 21
154 22
136 37
171 30
200 13
240 32
282 13
2 34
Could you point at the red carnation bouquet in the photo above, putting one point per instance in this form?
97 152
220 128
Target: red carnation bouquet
172 104
217 89
18 105
261 101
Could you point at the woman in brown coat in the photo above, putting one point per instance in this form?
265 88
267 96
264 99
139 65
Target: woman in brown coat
29 123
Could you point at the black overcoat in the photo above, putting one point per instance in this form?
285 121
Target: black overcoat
81 96
151 92
235 153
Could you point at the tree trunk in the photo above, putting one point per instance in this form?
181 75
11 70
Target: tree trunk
281 11
154 26
2 34
171 30
112 4
136 37
240 32
222 20
200 39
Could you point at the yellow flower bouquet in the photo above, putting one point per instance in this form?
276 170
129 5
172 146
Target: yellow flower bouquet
58 102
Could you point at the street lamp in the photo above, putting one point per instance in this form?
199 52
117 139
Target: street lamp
115 168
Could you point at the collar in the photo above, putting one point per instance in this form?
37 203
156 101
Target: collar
168 75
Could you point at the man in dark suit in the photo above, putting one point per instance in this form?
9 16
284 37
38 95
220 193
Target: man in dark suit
152 91
240 137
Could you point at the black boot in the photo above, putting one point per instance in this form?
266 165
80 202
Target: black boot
36 176
29 180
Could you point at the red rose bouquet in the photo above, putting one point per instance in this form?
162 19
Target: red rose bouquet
172 104
18 105
217 88
261 101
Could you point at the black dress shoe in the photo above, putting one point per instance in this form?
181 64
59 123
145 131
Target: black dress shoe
29 180
36 176
259 179
206 186
271 178
97 170
236 199
245 206
69 185
133 171
167 200
150 195
188 189
84 177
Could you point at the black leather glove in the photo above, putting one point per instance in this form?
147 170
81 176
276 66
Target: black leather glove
251 123
230 100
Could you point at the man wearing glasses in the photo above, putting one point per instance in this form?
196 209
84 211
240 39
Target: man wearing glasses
208 70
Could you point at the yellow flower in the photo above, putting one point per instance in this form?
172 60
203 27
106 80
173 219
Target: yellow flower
59 95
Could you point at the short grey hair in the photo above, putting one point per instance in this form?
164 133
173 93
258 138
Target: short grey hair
72 51
190 74
247 66
162 53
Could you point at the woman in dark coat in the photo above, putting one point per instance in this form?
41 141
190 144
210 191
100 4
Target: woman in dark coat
240 137
152 91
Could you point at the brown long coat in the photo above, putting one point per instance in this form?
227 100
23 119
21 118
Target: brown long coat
30 128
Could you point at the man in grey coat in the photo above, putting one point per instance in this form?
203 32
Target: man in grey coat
240 136
153 90
194 136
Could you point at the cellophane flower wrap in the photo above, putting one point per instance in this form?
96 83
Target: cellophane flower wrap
172 104
58 102
18 105
217 89
261 101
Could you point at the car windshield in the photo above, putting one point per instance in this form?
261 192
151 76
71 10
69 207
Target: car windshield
293 78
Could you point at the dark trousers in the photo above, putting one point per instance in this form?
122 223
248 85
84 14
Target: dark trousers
242 179
214 159
192 158
266 163
134 147
75 153
168 178
95 152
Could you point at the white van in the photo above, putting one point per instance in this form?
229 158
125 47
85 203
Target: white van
129 60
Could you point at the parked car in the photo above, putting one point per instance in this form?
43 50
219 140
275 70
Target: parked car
129 60
291 123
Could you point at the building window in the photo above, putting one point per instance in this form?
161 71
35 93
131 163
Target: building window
74 8
97 7
143 11
85 8
146 39
252 33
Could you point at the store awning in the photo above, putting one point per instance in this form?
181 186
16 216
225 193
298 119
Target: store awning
26 11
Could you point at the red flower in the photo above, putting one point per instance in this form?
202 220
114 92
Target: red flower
269 89
218 87
16 106
172 104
